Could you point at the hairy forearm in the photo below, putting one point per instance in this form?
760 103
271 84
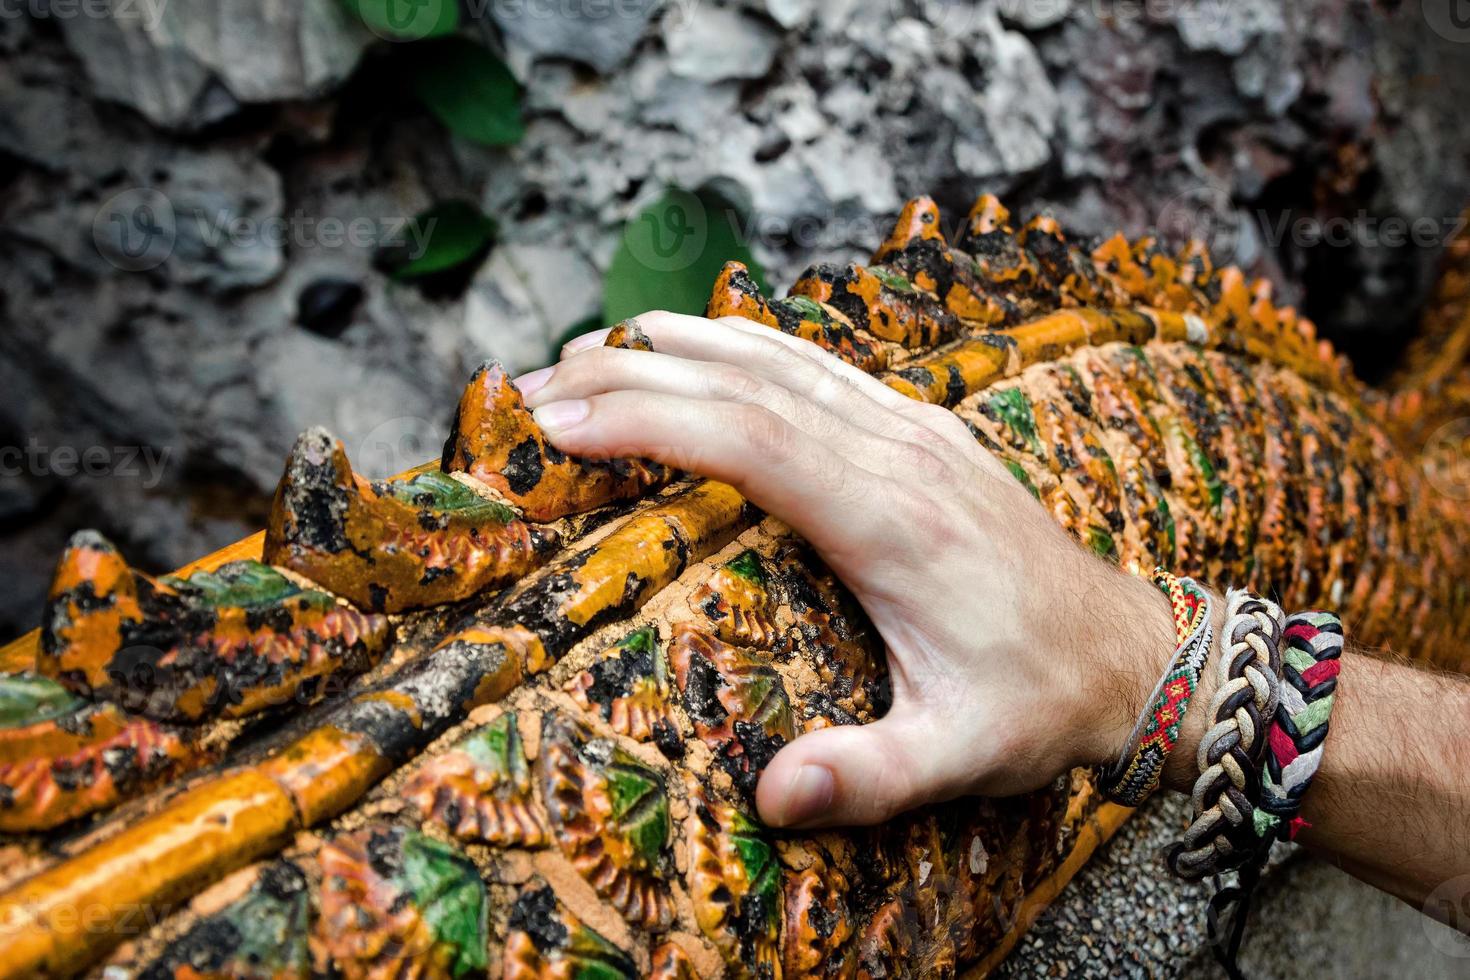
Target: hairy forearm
1391 802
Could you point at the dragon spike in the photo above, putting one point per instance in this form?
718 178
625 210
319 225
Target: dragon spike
496 440
917 222
917 251
93 600
226 643
397 544
62 757
987 215
736 293
628 335
887 304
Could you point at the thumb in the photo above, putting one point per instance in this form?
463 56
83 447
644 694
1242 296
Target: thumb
853 774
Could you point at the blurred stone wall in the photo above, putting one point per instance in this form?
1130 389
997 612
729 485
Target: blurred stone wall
194 192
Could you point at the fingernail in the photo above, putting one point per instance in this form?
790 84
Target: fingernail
533 381
594 339
560 416
809 795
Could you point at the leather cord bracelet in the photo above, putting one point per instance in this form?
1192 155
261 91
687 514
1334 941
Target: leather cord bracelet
1311 651
1231 752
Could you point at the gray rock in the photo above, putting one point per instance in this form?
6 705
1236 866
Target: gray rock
526 297
1033 15
720 43
790 13
188 64
599 34
1228 26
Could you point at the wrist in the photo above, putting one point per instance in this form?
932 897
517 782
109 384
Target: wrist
1128 647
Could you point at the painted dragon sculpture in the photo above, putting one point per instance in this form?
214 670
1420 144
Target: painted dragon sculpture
504 714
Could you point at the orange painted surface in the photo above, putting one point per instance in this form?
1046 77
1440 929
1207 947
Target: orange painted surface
20 654
55 923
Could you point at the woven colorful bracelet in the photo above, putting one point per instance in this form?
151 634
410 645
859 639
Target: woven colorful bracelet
1136 774
1310 659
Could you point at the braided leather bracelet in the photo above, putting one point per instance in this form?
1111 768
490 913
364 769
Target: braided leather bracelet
1311 648
1229 757
1136 774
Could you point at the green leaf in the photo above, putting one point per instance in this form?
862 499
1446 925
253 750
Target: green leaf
1011 407
893 280
441 492
406 20
1100 541
639 641
671 253
449 894
1019 472
241 583
1213 486
639 805
471 92
498 747
447 235
1167 517
758 860
748 566
810 309
273 928
29 699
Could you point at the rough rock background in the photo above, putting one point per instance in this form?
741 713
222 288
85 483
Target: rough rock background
157 404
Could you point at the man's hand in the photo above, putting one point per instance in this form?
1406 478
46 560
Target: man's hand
1014 653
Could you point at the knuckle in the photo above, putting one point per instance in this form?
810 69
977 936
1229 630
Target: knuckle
655 322
942 421
767 434
896 790
828 387
935 521
735 384
923 462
